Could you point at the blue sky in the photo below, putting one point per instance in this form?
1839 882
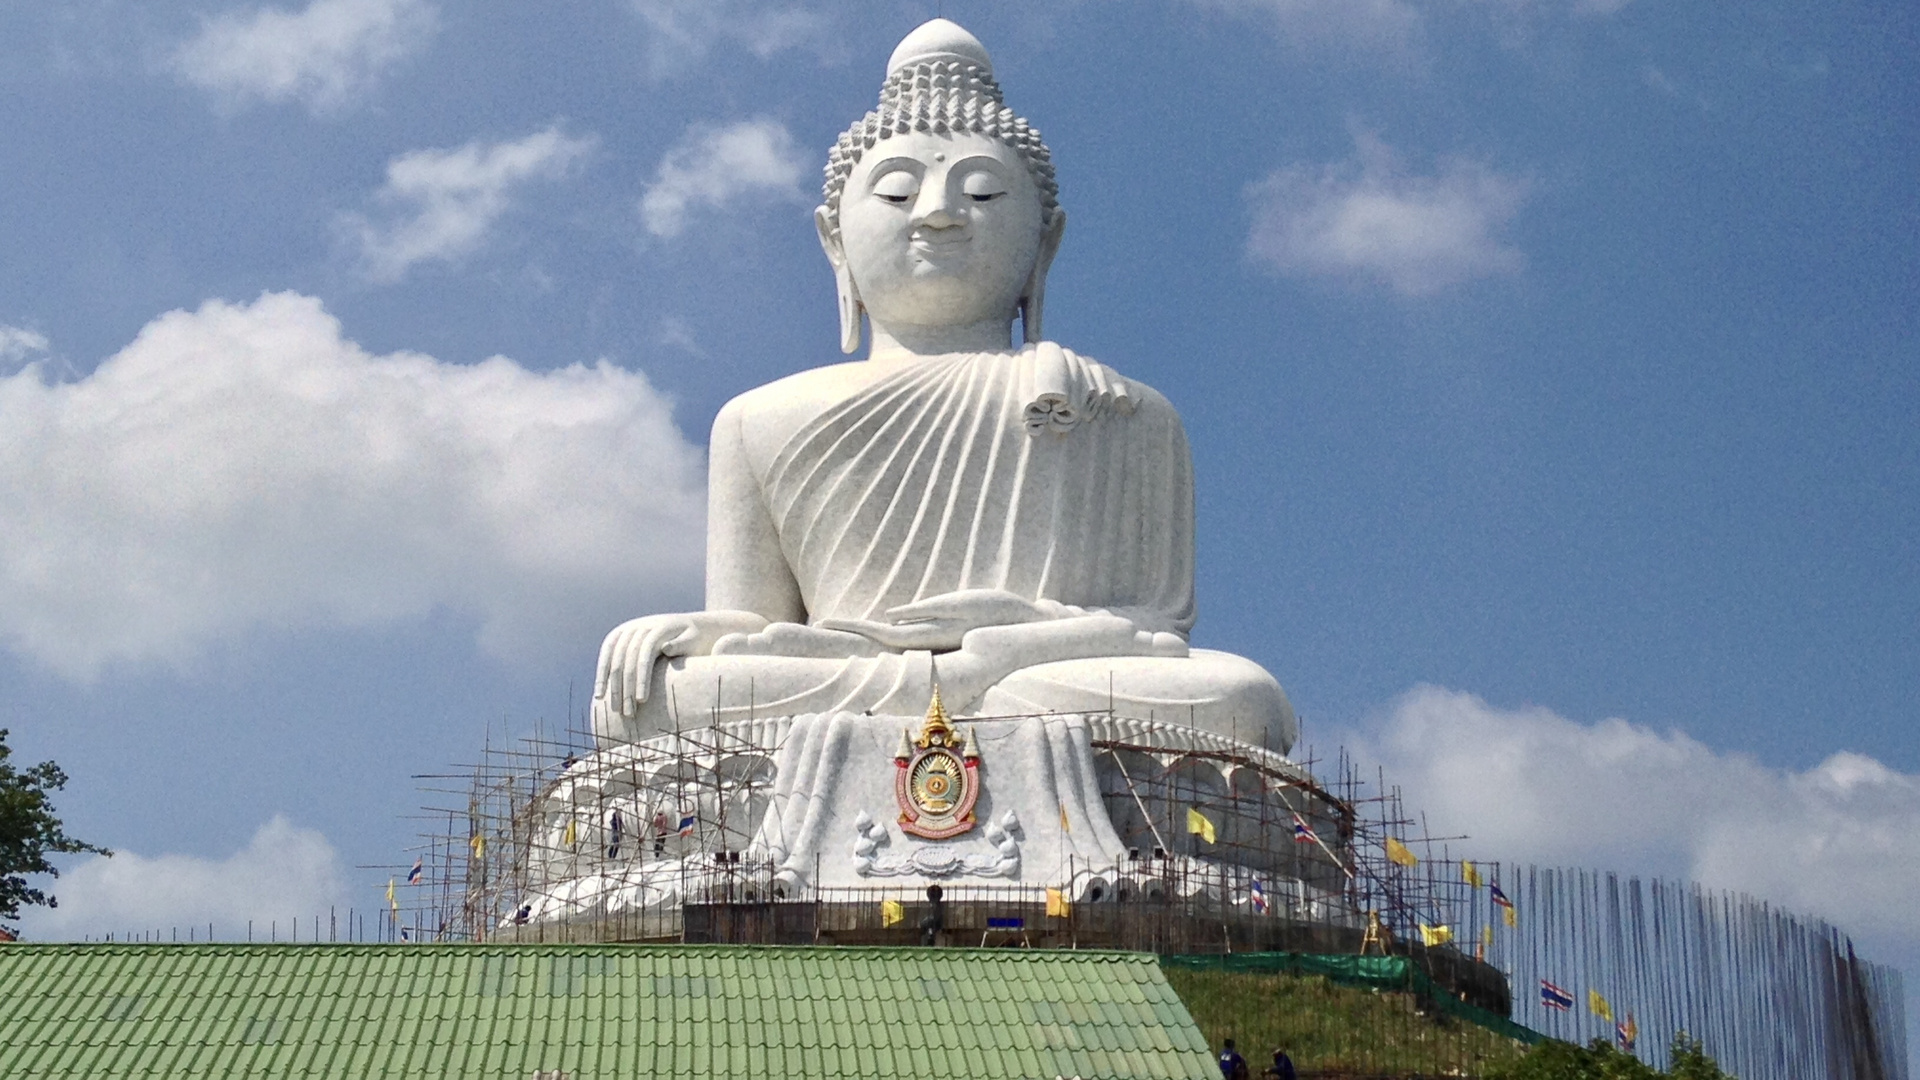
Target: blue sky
1550 369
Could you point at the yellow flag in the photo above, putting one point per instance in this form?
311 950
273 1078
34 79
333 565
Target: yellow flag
1398 854
390 897
1435 935
1470 874
1064 827
1600 1006
1508 914
1057 906
1198 824
572 837
891 913
1486 936
479 845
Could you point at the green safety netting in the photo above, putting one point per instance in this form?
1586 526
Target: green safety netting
1393 973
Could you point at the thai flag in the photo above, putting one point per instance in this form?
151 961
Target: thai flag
1302 834
1259 898
1499 897
413 875
1555 998
686 825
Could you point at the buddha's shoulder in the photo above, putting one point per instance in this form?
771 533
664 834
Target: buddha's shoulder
1144 399
779 408
1144 396
803 391
766 415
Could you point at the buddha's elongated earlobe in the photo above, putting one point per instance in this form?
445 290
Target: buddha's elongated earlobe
849 309
1033 301
846 293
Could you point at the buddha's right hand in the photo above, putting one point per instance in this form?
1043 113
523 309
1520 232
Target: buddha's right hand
625 673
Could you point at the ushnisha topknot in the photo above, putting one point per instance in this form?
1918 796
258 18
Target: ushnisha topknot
940 79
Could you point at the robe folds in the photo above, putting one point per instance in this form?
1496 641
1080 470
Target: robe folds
1037 472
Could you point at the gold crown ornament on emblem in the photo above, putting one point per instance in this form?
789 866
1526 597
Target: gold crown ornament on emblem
936 777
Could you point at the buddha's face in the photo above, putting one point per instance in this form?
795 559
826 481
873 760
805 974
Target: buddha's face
940 230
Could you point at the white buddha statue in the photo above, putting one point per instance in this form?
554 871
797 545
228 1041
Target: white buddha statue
1015 523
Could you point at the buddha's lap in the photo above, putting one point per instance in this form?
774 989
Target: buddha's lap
1214 691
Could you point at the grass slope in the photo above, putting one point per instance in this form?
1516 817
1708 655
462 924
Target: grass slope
1334 1030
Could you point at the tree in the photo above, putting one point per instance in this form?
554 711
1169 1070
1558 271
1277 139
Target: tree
1552 1059
29 832
1690 1062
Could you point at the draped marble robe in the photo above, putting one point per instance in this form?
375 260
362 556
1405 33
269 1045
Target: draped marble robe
953 473
862 487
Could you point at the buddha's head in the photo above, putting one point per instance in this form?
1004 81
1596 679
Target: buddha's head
941 215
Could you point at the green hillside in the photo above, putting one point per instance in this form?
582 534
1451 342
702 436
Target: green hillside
1335 1026
1333 1029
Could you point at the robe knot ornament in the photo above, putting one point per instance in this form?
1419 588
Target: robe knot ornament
1069 390
936 777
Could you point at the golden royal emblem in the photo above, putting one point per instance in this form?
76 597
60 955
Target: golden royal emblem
936 778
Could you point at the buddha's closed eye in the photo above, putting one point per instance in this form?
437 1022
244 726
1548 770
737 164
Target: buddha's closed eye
897 187
982 187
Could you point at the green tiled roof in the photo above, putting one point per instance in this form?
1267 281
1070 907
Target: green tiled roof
588 1011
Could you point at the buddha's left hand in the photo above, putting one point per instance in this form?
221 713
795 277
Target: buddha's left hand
991 653
938 623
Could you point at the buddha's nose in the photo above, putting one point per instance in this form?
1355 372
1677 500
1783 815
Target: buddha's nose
933 210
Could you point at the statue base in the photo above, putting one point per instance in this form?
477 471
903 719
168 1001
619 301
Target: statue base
1078 808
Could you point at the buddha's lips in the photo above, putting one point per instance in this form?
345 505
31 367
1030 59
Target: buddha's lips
936 242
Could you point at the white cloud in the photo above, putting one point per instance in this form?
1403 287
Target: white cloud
284 872
714 166
1370 219
677 333
1395 29
16 344
245 466
1389 26
325 55
443 202
686 30
1835 840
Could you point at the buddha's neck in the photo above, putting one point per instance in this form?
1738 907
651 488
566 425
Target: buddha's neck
900 342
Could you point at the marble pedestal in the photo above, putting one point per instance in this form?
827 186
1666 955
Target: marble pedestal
806 806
